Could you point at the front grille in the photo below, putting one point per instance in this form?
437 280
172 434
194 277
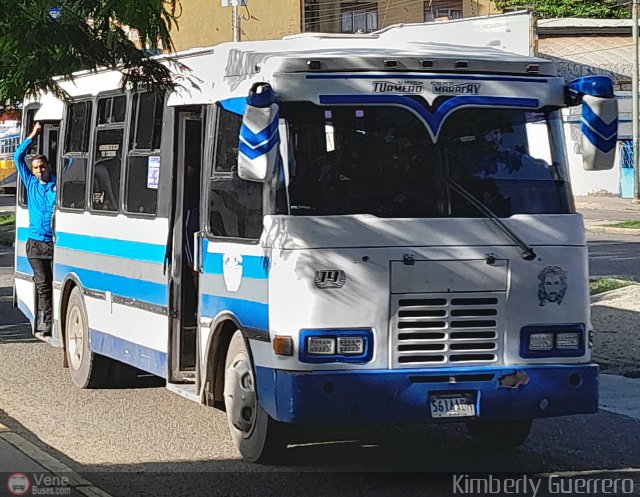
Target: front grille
446 330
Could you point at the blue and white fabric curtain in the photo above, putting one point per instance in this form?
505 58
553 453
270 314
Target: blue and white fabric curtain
259 137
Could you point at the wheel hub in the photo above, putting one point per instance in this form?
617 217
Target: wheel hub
240 396
75 338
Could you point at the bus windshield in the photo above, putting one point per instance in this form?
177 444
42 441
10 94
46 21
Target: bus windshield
381 160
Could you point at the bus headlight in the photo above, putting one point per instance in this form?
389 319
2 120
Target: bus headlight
321 346
541 341
561 340
568 341
336 345
350 345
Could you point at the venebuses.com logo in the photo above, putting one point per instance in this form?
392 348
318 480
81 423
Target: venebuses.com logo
18 484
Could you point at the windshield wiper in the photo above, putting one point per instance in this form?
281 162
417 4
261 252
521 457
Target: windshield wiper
527 252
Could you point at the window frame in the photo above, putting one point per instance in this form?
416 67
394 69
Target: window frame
95 129
21 192
210 174
130 132
370 11
64 129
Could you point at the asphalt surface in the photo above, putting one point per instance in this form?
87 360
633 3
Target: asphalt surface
614 255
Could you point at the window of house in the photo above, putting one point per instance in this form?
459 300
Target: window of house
358 17
143 164
107 154
435 9
235 208
75 160
312 15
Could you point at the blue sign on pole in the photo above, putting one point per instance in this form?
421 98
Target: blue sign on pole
54 12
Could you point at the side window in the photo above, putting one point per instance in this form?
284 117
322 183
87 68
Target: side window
76 156
235 208
143 164
107 154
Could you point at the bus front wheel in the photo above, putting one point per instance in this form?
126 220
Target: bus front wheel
258 437
500 434
88 370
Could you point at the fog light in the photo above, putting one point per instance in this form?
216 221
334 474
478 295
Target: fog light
350 345
541 341
568 340
321 346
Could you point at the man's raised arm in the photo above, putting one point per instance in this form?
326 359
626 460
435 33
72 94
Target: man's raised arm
21 152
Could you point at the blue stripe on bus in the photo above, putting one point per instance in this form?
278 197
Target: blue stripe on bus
146 291
434 119
126 249
23 266
252 266
439 77
250 314
139 356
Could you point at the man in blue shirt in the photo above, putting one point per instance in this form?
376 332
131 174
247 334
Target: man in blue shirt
40 186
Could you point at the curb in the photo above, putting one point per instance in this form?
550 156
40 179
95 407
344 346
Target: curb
51 464
613 230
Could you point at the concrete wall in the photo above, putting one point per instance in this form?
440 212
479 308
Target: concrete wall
205 22
474 8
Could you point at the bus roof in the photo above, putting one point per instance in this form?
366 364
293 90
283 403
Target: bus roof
209 74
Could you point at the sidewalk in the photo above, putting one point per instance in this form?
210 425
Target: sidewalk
44 473
598 212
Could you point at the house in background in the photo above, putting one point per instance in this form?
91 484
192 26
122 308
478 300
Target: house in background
205 22
582 47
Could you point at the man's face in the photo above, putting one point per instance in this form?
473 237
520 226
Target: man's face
40 169
553 286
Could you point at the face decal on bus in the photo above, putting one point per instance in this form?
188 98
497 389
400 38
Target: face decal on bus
552 286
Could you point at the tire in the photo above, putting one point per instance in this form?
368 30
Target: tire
88 370
258 437
502 435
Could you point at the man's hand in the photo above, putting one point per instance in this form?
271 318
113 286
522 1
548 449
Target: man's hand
36 129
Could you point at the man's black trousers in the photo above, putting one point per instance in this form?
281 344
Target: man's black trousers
40 255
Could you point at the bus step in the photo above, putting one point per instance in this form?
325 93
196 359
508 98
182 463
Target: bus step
187 390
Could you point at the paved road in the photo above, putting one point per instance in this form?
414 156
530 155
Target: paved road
7 203
614 255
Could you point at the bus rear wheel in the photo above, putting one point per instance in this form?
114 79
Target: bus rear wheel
88 370
258 437
501 435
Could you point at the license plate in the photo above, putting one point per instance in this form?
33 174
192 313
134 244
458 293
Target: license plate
459 405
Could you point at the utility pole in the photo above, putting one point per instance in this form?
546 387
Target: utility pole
236 21
634 102
235 16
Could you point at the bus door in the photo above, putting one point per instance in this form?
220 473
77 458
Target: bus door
46 143
184 300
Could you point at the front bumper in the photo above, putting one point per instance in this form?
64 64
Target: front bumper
393 396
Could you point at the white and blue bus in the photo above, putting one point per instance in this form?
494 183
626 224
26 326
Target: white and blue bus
329 230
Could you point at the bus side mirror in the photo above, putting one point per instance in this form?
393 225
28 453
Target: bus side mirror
259 137
599 120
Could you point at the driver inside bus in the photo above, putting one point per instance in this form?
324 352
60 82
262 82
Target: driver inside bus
40 188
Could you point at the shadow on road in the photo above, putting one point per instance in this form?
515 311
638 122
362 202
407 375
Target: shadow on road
392 463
